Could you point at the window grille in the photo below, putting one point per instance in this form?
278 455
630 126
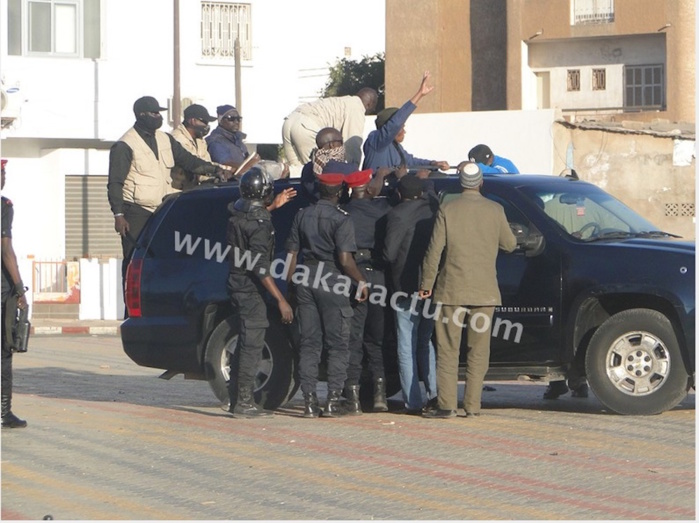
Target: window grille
573 79
599 79
221 23
679 209
644 87
592 11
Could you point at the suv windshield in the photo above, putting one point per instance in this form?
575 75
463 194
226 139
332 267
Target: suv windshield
587 213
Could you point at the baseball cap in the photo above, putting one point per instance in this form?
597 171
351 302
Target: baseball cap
481 153
147 104
199 112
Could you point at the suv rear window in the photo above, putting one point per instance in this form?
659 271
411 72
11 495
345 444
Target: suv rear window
193 225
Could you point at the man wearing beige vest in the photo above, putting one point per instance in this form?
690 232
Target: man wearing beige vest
190 133
468 231
139 172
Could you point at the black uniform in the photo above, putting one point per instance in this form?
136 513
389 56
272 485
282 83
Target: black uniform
250 231
318 233
367 330
7 288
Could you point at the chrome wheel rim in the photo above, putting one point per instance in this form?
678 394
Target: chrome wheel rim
638 363
264 366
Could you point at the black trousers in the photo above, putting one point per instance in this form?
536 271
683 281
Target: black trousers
367 332
6 357
324 320
252 326
137 217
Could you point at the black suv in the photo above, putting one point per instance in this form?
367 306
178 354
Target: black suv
591 283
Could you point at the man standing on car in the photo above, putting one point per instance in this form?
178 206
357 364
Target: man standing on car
250 235
139 172
12 297
324 236
468 232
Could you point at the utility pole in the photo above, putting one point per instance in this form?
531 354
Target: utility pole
176 97
236 59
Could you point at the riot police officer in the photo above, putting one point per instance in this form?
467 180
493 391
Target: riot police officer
12 297
368 214
323 234
250 231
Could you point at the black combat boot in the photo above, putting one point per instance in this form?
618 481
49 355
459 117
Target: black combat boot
380 402
353 407
333 409
311 408
245 406
9 420
555 389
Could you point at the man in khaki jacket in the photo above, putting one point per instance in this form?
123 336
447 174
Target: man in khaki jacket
469 230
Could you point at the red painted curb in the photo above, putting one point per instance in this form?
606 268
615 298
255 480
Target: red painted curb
75 330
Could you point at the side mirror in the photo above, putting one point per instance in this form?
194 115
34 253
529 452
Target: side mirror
529 240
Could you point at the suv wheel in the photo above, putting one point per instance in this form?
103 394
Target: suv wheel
274 384
634 364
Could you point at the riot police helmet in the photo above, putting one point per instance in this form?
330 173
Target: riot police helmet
256 184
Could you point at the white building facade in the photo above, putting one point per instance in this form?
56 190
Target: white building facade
71 70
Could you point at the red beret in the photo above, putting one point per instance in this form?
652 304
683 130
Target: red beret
359 178
331 178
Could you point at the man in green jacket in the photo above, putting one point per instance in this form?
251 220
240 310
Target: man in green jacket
469 230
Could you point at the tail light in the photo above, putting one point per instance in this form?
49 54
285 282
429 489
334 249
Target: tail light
132 293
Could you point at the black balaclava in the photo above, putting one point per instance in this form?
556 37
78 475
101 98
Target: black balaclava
150 122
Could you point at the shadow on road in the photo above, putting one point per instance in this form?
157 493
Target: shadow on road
178 393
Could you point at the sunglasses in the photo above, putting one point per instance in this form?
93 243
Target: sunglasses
233 118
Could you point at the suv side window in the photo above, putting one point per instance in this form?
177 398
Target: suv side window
514 215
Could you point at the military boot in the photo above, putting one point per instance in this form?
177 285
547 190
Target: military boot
353 407
245 406
333 409
311 408
9 420
380 402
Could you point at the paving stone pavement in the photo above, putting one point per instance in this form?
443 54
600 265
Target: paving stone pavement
108 440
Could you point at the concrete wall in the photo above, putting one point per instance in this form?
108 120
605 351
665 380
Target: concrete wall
654 175
449 136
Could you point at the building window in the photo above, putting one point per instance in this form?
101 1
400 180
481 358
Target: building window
54 28
599 79
591 11
573 79
221 24
644 87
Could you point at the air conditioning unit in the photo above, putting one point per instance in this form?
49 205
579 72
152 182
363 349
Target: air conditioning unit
10 105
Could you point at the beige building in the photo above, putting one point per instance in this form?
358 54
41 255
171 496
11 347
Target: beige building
603 57
621 73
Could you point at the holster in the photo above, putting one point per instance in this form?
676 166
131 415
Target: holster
17 326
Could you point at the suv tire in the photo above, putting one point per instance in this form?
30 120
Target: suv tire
275 384
634 364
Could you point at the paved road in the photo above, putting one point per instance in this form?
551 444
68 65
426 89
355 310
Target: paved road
108 440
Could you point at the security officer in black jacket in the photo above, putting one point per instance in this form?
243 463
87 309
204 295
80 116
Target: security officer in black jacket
324 236
12 297
250 231
368 214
